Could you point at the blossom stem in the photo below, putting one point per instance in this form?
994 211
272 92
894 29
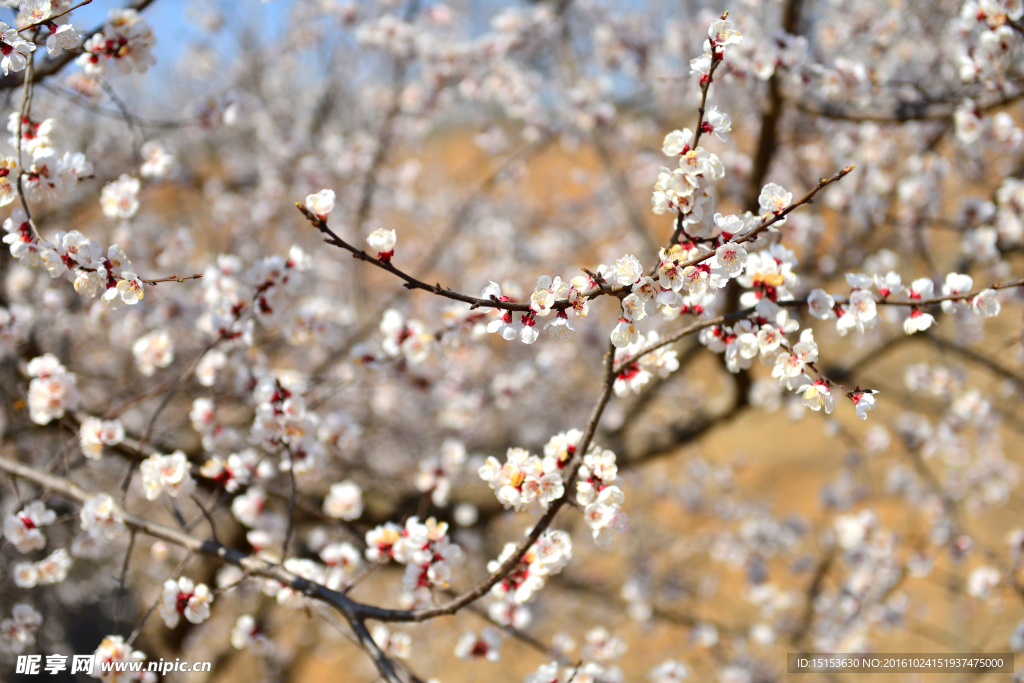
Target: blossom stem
415 283
56 16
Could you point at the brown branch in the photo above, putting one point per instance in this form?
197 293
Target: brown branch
122 582
701 324
685 332
813 591
56 16
562 304
976 357
381 661
205 515
172 278
769 221
705 85
683 433
899 112
415 283
952 297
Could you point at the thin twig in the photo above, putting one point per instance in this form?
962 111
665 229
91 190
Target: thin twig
172 278
415 283
49 20
26 107
121 582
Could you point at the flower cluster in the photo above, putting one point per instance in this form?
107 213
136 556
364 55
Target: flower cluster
204 421
345 501
247 635
35 136
633 375
113 650
14 49
769 274
185 597
524 481
284 424
38 12
683 190
94 434
437 473
424 548
50 570
50 176
694 268
153 350
596 660
101 518
23 530
408 339
79 259
383 242
342 560
167 474
546 294
987 33
19 632
395 643
268 290
120 198
237 470
669 671
598 492
680 190
859 311
321 204
15 327
487 646
52 391
158 163
126 41
259 420
546 557
873 570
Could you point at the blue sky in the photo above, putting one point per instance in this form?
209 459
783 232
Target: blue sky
173 25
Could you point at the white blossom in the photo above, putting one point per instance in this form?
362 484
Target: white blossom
167 474
345 501
152 351
120 198
183 597
15 49
321 204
